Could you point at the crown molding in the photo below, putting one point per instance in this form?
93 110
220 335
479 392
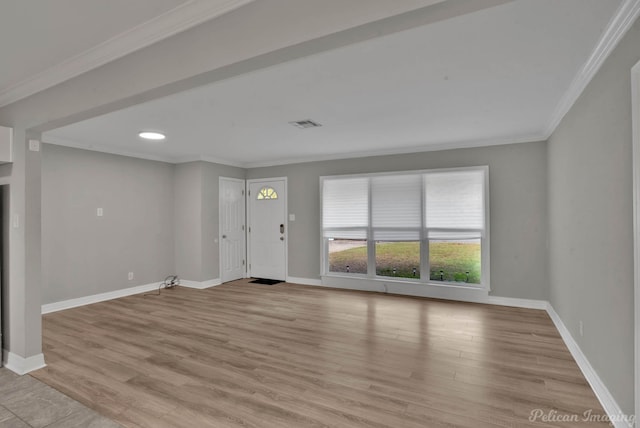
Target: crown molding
401 151
57 141
66 142
620 23
172 22
210 159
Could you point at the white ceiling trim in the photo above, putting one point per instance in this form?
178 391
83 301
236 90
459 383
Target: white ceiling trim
621 22
49 139
210 159
179 19
67 142
399 151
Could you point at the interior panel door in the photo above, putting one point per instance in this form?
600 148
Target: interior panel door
232 229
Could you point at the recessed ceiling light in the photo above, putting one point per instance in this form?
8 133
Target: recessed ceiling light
154 136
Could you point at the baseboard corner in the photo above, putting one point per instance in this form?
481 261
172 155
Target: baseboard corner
304 281
517 302
200 285
21 365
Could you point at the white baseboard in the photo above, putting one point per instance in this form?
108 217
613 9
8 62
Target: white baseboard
457 293
421 290
21 365
406 288
304 281
516 302
95 298
617 417
110 295
200 285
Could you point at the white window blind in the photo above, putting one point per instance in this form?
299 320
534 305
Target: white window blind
395 207
455 200
345 206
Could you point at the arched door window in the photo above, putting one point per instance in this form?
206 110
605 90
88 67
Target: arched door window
267 193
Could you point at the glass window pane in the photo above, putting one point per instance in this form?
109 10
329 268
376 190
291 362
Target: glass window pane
455 260
347 255
398 259
267 193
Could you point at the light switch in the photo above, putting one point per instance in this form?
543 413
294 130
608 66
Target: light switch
292 217
99 212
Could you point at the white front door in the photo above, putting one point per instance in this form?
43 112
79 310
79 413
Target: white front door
232 235
267 228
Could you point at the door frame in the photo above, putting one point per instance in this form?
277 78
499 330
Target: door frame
244 182
635 121
286 221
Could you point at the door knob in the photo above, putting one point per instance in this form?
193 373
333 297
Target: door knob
224 236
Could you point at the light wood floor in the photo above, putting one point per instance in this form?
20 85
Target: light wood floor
287 355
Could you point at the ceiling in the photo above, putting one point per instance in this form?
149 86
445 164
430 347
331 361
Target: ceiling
497 75
60 39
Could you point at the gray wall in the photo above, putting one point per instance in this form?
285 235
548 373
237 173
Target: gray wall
159 219
196 218
83 254
188 220
518 203
590 216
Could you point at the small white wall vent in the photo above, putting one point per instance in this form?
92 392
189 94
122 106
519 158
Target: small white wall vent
302 124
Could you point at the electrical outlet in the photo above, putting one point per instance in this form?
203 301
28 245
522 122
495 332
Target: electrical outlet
130 276
581 329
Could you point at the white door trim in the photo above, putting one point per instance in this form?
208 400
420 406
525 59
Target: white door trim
244 182
635 112
286 222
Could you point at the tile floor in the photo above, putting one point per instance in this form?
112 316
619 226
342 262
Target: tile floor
26 402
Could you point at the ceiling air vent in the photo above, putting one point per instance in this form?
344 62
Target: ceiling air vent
308 123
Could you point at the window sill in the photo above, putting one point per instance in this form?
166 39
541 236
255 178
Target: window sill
408 287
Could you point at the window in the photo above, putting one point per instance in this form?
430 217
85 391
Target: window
346 223
424 226
267 193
